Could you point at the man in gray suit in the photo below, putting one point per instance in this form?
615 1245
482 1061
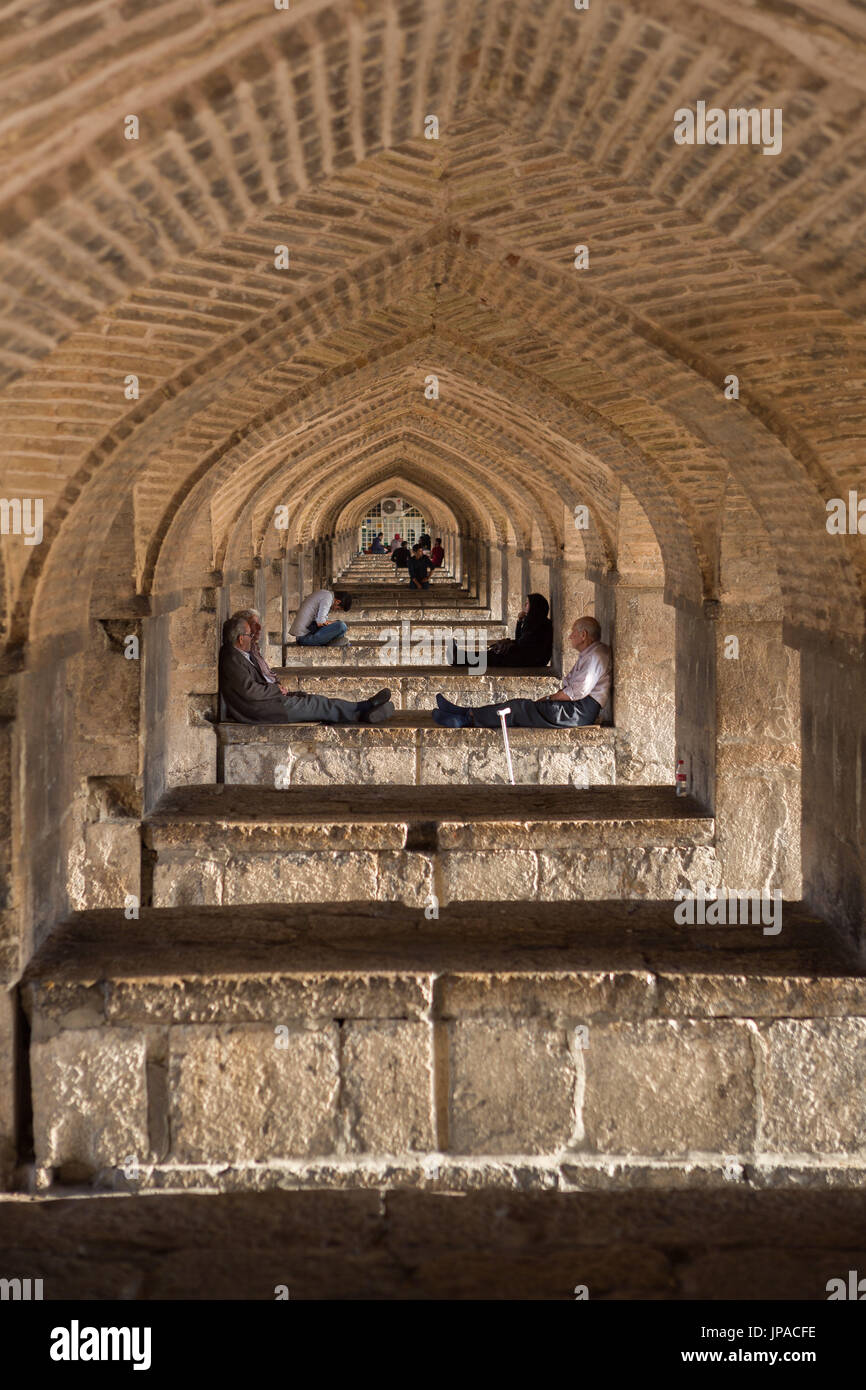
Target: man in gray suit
249 699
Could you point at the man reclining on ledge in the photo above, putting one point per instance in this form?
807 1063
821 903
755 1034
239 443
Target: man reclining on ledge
584 692
250 699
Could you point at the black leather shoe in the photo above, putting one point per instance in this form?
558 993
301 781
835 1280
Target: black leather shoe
375 702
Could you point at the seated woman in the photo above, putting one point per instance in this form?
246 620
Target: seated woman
532 644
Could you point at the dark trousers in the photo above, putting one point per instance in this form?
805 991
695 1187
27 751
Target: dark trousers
320 709
538 714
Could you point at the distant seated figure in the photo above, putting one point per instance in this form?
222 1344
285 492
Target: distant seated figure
395 544
420 567
424 541
533 639
584 693
400 556
249 699
377 548
437 554
311 627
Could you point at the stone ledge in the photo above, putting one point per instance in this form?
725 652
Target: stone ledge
410 750
600 961
397 1229
733 1175
405 723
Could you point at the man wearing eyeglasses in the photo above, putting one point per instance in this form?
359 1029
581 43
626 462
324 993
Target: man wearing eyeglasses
248 698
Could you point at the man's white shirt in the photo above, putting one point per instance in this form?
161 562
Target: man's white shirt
314 609
590 675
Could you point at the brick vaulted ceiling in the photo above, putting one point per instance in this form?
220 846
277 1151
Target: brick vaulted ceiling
410 256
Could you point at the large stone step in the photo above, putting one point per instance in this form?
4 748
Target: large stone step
365 579
410 750
511 1237
416 845
418 691
414 629
394 639
416 611
417 604
586 1046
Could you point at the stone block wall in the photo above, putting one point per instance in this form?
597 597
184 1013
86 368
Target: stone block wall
579 1071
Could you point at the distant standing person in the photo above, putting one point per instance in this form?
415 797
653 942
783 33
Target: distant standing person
437 554
311 627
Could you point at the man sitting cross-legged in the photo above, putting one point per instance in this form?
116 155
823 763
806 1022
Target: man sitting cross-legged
584 692
311 627
250 699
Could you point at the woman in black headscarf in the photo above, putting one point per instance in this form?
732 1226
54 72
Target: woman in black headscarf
532 644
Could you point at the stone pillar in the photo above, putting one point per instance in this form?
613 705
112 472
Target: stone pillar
515 590
696 700
577 599
526 577
260 589
8 1084
242 589
555 600
833 686
10 927
272 613
757 799
605 614
643 693
287 579
486 576
539 575
496 563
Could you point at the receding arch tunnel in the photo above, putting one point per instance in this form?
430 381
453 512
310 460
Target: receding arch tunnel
206 420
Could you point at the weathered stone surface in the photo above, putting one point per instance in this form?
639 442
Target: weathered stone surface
112 864
236 1094
411 750
387 1070
405 878
182 880
287 878
660 1087
558 999
613 873
813 1085
509 874
270 996
760 995
89 1098
512 1088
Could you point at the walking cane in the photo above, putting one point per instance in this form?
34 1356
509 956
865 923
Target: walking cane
502 714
